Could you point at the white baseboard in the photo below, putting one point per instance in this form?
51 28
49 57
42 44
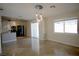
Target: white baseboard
74 45
9 41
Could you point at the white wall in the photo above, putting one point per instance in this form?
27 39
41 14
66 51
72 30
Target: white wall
42 30
70 39
28 29
0 34
5 26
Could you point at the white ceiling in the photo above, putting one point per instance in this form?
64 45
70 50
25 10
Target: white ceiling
28 11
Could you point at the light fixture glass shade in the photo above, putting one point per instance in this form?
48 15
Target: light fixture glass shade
39 17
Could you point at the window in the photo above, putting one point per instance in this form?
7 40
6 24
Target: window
71 26
68 26
59 27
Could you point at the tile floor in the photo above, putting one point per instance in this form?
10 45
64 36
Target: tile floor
34 47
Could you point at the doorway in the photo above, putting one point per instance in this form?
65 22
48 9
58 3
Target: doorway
35 30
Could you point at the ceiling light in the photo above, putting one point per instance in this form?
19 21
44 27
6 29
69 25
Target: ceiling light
52 6
39 16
